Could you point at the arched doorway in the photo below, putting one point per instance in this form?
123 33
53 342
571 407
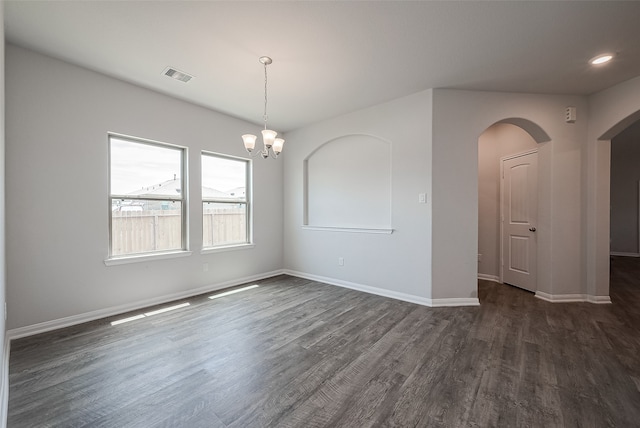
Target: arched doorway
599 209
624 185
509 141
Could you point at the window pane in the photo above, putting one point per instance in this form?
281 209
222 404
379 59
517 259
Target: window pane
225 207
147 203
145 169
223 178
143 226
224 224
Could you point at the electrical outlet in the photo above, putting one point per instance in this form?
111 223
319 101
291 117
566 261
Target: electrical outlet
479 257
340 261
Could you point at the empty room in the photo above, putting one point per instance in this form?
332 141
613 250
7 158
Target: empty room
320 214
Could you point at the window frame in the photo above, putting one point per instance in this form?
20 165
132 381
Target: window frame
183 199
248 202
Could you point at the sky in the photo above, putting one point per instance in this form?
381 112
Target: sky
137 165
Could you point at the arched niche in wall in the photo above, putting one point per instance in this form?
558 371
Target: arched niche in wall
347 184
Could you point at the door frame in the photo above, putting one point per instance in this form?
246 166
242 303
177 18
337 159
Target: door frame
502 161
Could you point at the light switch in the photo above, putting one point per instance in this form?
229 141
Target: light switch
422 198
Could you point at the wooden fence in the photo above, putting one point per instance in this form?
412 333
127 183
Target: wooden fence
160 230
223 227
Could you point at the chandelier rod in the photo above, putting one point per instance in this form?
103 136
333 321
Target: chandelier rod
265 97
265 60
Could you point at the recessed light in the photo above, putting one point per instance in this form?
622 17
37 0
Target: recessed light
601 59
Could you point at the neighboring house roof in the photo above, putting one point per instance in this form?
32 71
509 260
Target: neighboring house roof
237 192
169 187
208 192
173 187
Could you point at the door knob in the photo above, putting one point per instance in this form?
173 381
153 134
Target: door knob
532 229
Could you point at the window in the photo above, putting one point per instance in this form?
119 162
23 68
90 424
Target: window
146 197
225 200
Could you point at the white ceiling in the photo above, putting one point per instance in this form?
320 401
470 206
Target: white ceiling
333 57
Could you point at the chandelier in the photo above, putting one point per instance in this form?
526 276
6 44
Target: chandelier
272 145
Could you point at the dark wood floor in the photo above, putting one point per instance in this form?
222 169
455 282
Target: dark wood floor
296 353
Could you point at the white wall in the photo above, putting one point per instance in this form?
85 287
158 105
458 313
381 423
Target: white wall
58 116
460 117
497 141
625 175
394 264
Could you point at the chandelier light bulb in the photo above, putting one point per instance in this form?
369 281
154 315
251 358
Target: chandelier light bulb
268 136
277 145
249 142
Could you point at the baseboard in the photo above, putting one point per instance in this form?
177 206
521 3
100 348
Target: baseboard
561 298
572 298
455 301
492 278
43 327
424 301
599 300
622 254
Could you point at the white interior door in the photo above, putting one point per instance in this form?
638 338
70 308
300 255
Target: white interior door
519 220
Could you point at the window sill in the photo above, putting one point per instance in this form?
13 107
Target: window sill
349 229
145 258
235 247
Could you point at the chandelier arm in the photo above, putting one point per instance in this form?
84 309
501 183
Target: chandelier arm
254 153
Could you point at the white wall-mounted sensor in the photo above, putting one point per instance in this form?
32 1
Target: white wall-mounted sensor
570 114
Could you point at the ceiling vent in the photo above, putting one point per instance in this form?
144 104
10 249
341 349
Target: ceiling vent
177 74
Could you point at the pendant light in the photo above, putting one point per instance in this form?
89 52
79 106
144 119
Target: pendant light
272 145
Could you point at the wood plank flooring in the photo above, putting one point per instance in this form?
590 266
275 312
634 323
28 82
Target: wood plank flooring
297 353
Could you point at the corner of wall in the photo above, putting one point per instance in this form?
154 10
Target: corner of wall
4 351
